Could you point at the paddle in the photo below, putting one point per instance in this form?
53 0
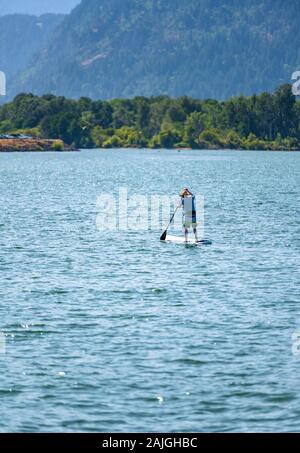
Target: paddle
164 235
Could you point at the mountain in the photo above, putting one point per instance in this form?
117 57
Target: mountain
21 36
201 48
36 7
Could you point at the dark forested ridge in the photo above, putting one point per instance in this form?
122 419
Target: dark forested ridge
200 48
267 121
21 36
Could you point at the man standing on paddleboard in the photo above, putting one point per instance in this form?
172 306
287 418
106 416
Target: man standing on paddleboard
188 203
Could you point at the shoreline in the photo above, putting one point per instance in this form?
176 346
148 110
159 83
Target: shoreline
11 145
67 149
179 150
24 151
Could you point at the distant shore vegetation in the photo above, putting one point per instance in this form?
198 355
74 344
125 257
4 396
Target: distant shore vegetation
259 122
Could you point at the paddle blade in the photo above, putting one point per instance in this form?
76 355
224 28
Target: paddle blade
163 236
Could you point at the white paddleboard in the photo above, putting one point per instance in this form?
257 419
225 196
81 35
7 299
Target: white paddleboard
181 240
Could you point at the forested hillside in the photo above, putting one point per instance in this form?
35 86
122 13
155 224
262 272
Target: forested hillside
268 121
21 36
201 48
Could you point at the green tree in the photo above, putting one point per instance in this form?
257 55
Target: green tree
193 127
99 136
166 139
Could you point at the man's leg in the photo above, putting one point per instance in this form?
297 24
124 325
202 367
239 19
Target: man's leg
195 233
186 234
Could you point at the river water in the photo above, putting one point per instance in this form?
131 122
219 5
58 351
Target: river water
113 331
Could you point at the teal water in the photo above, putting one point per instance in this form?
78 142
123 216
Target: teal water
115 332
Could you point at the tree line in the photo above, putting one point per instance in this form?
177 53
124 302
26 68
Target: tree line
265 121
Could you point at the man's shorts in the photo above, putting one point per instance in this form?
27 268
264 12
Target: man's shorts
190 224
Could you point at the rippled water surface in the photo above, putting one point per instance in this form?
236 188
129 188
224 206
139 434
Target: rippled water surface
115 331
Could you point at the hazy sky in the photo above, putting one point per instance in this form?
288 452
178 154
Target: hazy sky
36 6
